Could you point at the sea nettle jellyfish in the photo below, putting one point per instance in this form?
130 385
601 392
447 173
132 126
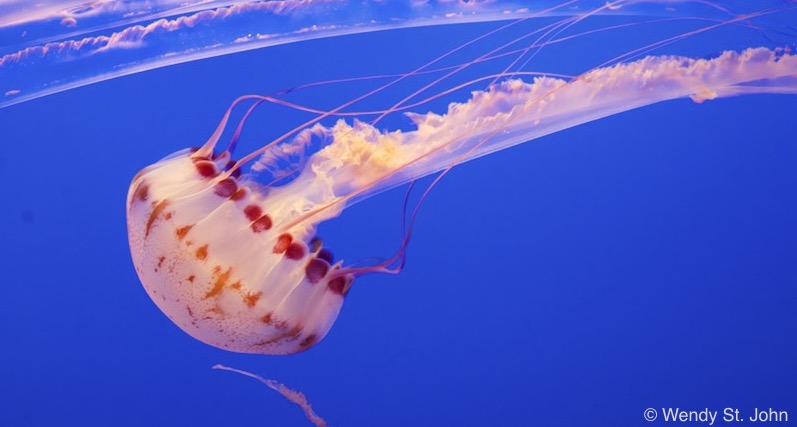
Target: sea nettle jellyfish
226 245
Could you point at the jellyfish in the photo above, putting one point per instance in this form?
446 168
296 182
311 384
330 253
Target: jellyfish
226 245
57 45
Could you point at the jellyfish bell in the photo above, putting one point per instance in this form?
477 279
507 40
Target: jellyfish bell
216 254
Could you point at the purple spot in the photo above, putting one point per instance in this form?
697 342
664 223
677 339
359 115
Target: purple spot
261 224
326 255
205 168
294 251
316 270
340 285
226 188
253 212
315 244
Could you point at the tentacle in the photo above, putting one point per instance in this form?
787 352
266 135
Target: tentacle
296 397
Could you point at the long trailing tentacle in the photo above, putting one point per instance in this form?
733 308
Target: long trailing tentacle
296 397
376 180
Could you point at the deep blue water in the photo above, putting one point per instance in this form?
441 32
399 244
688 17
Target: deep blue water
644 260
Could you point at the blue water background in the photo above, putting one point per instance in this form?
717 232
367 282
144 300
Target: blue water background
644 260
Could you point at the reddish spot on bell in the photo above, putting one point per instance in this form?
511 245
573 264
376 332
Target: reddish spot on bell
143 192
153 216
316 270
253 212
326 255
308 341
205 168
238 194
202 253
182 231
251 299
261 224
283 242
340 285
226 188
294 251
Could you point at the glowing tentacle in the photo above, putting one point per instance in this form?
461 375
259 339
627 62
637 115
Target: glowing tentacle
362 161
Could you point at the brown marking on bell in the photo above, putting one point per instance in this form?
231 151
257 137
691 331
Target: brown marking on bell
261 224
205 168
239 194
250 299
283 241
315 244
340 285
202 253
225 188
294 251
308 342
290 335
190 312
218 284
160 261
191 278
267 319
142 192
315 270
326 255
156 211
236 285
253 212
168 215
216 310
182 231
282 324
